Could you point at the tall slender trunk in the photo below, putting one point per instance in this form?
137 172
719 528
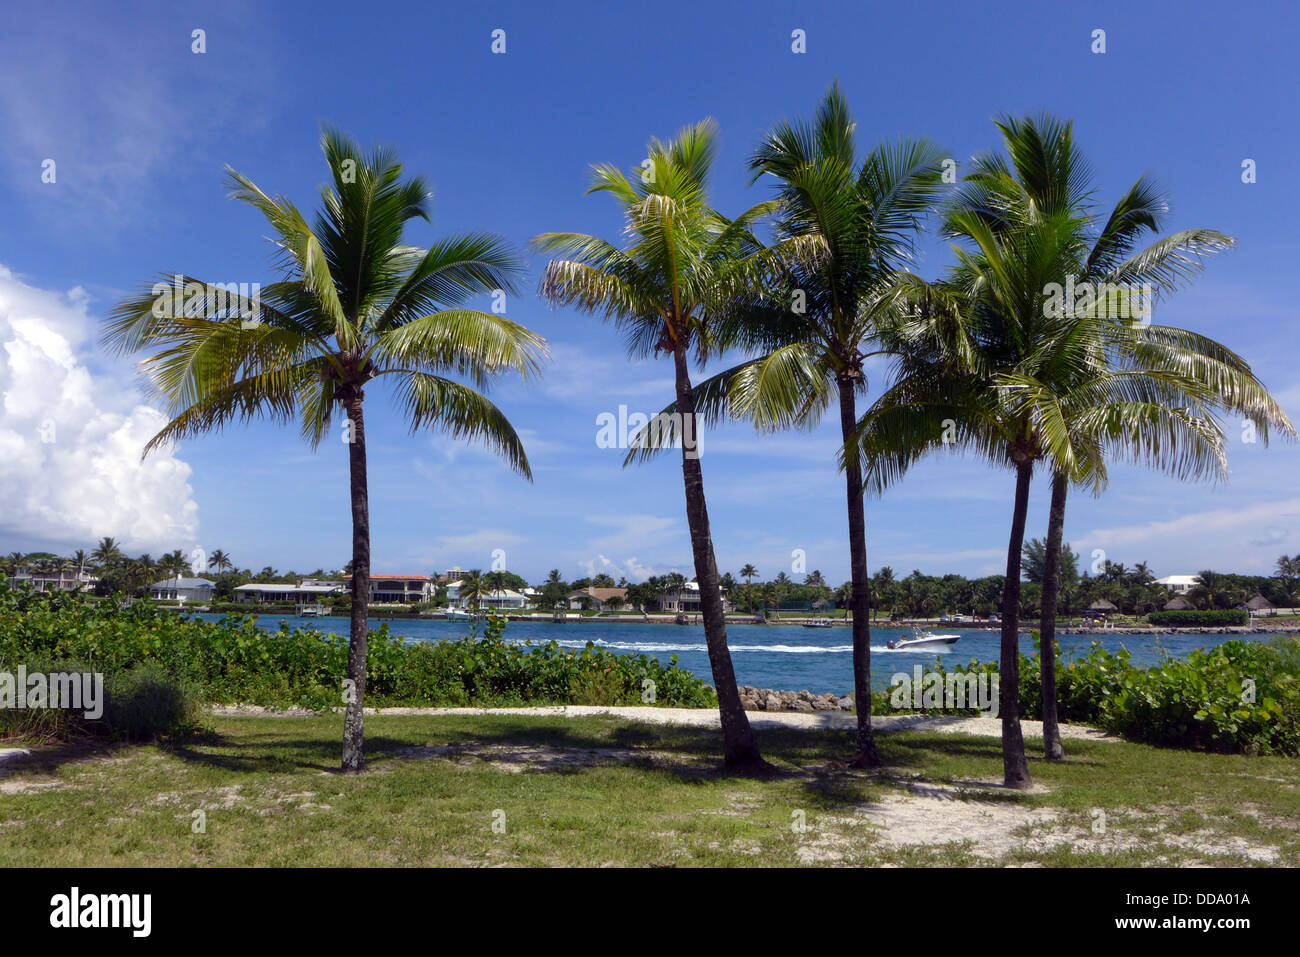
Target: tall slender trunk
1015 767
1052 748
738 747
354 717
860 596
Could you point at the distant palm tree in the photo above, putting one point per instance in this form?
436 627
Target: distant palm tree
843 596
355 304
14 563
780 588
1288 572
473 586
748 572
220 561
173 564
106 552
80 559
665 290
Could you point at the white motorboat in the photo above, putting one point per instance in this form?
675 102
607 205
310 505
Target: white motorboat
819 623
922 639
460 614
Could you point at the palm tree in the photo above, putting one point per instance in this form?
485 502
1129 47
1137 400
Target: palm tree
844 227
219 560
353 304
1156 368
780 588
843 596
748 572
1023 383
14 563
666 290
80 559
173 564
495 583
473 586
1288 573
106 552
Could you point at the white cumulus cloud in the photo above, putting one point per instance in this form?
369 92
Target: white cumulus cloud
71 438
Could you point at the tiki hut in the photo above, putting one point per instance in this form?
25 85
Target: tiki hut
1179 603
1259 604
1102 606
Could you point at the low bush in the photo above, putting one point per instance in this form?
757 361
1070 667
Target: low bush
138 704
1241 696
233 660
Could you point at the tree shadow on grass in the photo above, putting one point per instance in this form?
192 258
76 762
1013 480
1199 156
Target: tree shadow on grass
48 757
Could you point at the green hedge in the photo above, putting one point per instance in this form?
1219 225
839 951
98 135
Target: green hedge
233 660
1214 618
1241 696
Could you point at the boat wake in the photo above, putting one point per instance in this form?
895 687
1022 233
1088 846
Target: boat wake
657 646
923 650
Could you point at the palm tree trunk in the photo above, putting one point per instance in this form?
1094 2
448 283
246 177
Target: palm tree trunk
738 747
354 716
860 598
1052 748
1015 767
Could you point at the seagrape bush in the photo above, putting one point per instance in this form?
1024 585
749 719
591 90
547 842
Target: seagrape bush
233 660
1241 696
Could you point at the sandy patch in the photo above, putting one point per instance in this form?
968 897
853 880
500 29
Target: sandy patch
708 718
517 759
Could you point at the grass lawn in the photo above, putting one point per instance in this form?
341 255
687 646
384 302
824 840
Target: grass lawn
601 790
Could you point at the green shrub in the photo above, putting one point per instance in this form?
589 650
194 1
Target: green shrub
146 702
139 704
234 660
1191 618
1241 696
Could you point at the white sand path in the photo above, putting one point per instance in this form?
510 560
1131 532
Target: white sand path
708 718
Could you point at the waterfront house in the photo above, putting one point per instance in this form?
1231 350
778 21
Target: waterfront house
1179 584
400 589
65 579
687 600
182 589
597 598
308 591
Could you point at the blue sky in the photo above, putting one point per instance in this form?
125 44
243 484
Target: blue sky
140 128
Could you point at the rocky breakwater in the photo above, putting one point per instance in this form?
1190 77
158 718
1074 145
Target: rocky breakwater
766 699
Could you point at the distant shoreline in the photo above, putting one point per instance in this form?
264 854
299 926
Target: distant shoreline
1256 628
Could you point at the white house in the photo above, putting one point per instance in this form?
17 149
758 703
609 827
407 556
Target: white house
182 589
687 600
505 599
66 579
1179 584
400 589
305 592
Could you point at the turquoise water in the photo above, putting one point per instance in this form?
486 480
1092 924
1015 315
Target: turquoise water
775 656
